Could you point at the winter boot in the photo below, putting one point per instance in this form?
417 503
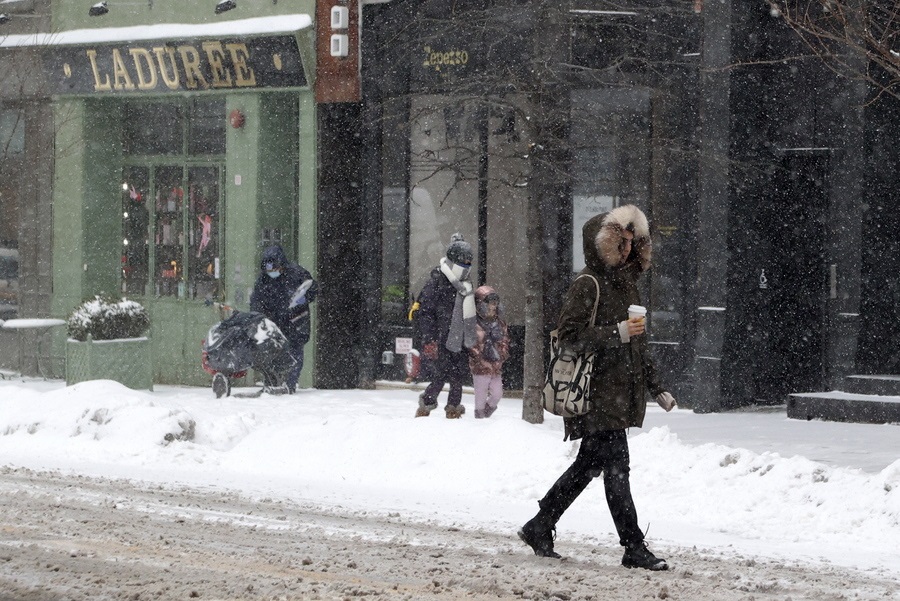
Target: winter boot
538 533
425 408
639 556
489 410
479 414
454 411
220 385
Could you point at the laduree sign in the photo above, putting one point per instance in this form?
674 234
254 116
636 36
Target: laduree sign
169 66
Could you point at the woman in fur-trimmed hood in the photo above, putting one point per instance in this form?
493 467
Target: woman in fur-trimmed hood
617 251
624 372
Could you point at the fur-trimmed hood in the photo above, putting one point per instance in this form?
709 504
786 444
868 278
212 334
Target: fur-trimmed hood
602 234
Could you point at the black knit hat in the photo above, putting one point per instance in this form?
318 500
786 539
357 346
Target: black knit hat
459 251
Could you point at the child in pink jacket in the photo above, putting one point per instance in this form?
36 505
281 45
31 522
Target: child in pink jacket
491 349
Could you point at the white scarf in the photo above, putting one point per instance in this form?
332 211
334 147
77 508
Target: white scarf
462 325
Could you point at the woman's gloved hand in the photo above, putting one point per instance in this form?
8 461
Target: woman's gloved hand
666 401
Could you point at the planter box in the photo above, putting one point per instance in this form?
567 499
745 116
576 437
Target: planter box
127 360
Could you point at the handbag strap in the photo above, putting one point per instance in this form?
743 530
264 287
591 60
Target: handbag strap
596 300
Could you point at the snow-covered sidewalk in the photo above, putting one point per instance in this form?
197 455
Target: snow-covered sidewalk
750 483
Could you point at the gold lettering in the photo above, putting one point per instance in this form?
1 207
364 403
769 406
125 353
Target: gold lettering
99 86
221 76
244 75
173 82
139 55
120 72
436 59
192 74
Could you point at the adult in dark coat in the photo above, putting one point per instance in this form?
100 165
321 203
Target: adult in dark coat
282 293
617 250
447 322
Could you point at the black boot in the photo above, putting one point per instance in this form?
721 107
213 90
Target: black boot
538 533
639 556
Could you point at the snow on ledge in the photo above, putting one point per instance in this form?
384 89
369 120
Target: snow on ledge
19 324
163 31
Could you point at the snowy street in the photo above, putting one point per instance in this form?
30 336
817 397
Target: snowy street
108 492
80 539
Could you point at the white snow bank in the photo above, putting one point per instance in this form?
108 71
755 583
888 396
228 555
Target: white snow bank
364 451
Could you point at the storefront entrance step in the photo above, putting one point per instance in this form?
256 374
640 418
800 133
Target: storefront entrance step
886 384
839 406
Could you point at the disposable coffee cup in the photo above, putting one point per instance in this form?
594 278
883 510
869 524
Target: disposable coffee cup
637 312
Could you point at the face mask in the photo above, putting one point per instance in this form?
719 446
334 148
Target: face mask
273 274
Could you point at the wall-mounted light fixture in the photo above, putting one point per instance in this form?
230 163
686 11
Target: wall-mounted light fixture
340 17
98 10
236 119
340 21
225 5
340 44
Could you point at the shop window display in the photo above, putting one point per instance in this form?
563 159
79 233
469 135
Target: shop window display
171 209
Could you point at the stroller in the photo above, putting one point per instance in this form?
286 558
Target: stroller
244 341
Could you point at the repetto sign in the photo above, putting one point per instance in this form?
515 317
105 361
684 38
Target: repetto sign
212 65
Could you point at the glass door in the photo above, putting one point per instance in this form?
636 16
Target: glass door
135 231
187 232
169 240
204 227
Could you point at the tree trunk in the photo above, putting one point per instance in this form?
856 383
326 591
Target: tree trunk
549 119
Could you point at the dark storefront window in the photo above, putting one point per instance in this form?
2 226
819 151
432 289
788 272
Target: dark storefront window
395 215
609 39
12 153
611 154
172 204
153 128
206 126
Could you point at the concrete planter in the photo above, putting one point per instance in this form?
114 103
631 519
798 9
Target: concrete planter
127 360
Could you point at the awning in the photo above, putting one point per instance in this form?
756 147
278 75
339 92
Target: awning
163 31
221 56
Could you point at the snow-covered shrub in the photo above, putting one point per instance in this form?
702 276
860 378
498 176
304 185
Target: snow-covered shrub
105 318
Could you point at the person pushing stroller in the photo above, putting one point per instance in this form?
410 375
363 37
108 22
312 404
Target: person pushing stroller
282 293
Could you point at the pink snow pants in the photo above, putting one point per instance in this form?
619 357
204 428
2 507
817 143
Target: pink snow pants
488 391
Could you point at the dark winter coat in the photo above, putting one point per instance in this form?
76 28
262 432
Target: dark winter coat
623 372
436 309
271 296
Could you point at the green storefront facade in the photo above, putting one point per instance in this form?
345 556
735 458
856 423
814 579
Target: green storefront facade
185 142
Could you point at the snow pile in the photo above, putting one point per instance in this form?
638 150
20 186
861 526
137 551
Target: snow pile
364 451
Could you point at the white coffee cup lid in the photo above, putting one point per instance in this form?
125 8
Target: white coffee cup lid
637 309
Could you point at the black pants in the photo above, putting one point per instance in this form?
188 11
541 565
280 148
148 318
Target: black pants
449 368
606 453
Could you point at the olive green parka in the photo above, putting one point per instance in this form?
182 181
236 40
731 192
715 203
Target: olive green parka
623 372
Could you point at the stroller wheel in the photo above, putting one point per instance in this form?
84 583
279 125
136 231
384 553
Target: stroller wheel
220 385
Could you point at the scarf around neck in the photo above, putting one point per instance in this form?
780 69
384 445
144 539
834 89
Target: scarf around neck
462 324
493 335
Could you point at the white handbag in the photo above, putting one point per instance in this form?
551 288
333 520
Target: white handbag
567 387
